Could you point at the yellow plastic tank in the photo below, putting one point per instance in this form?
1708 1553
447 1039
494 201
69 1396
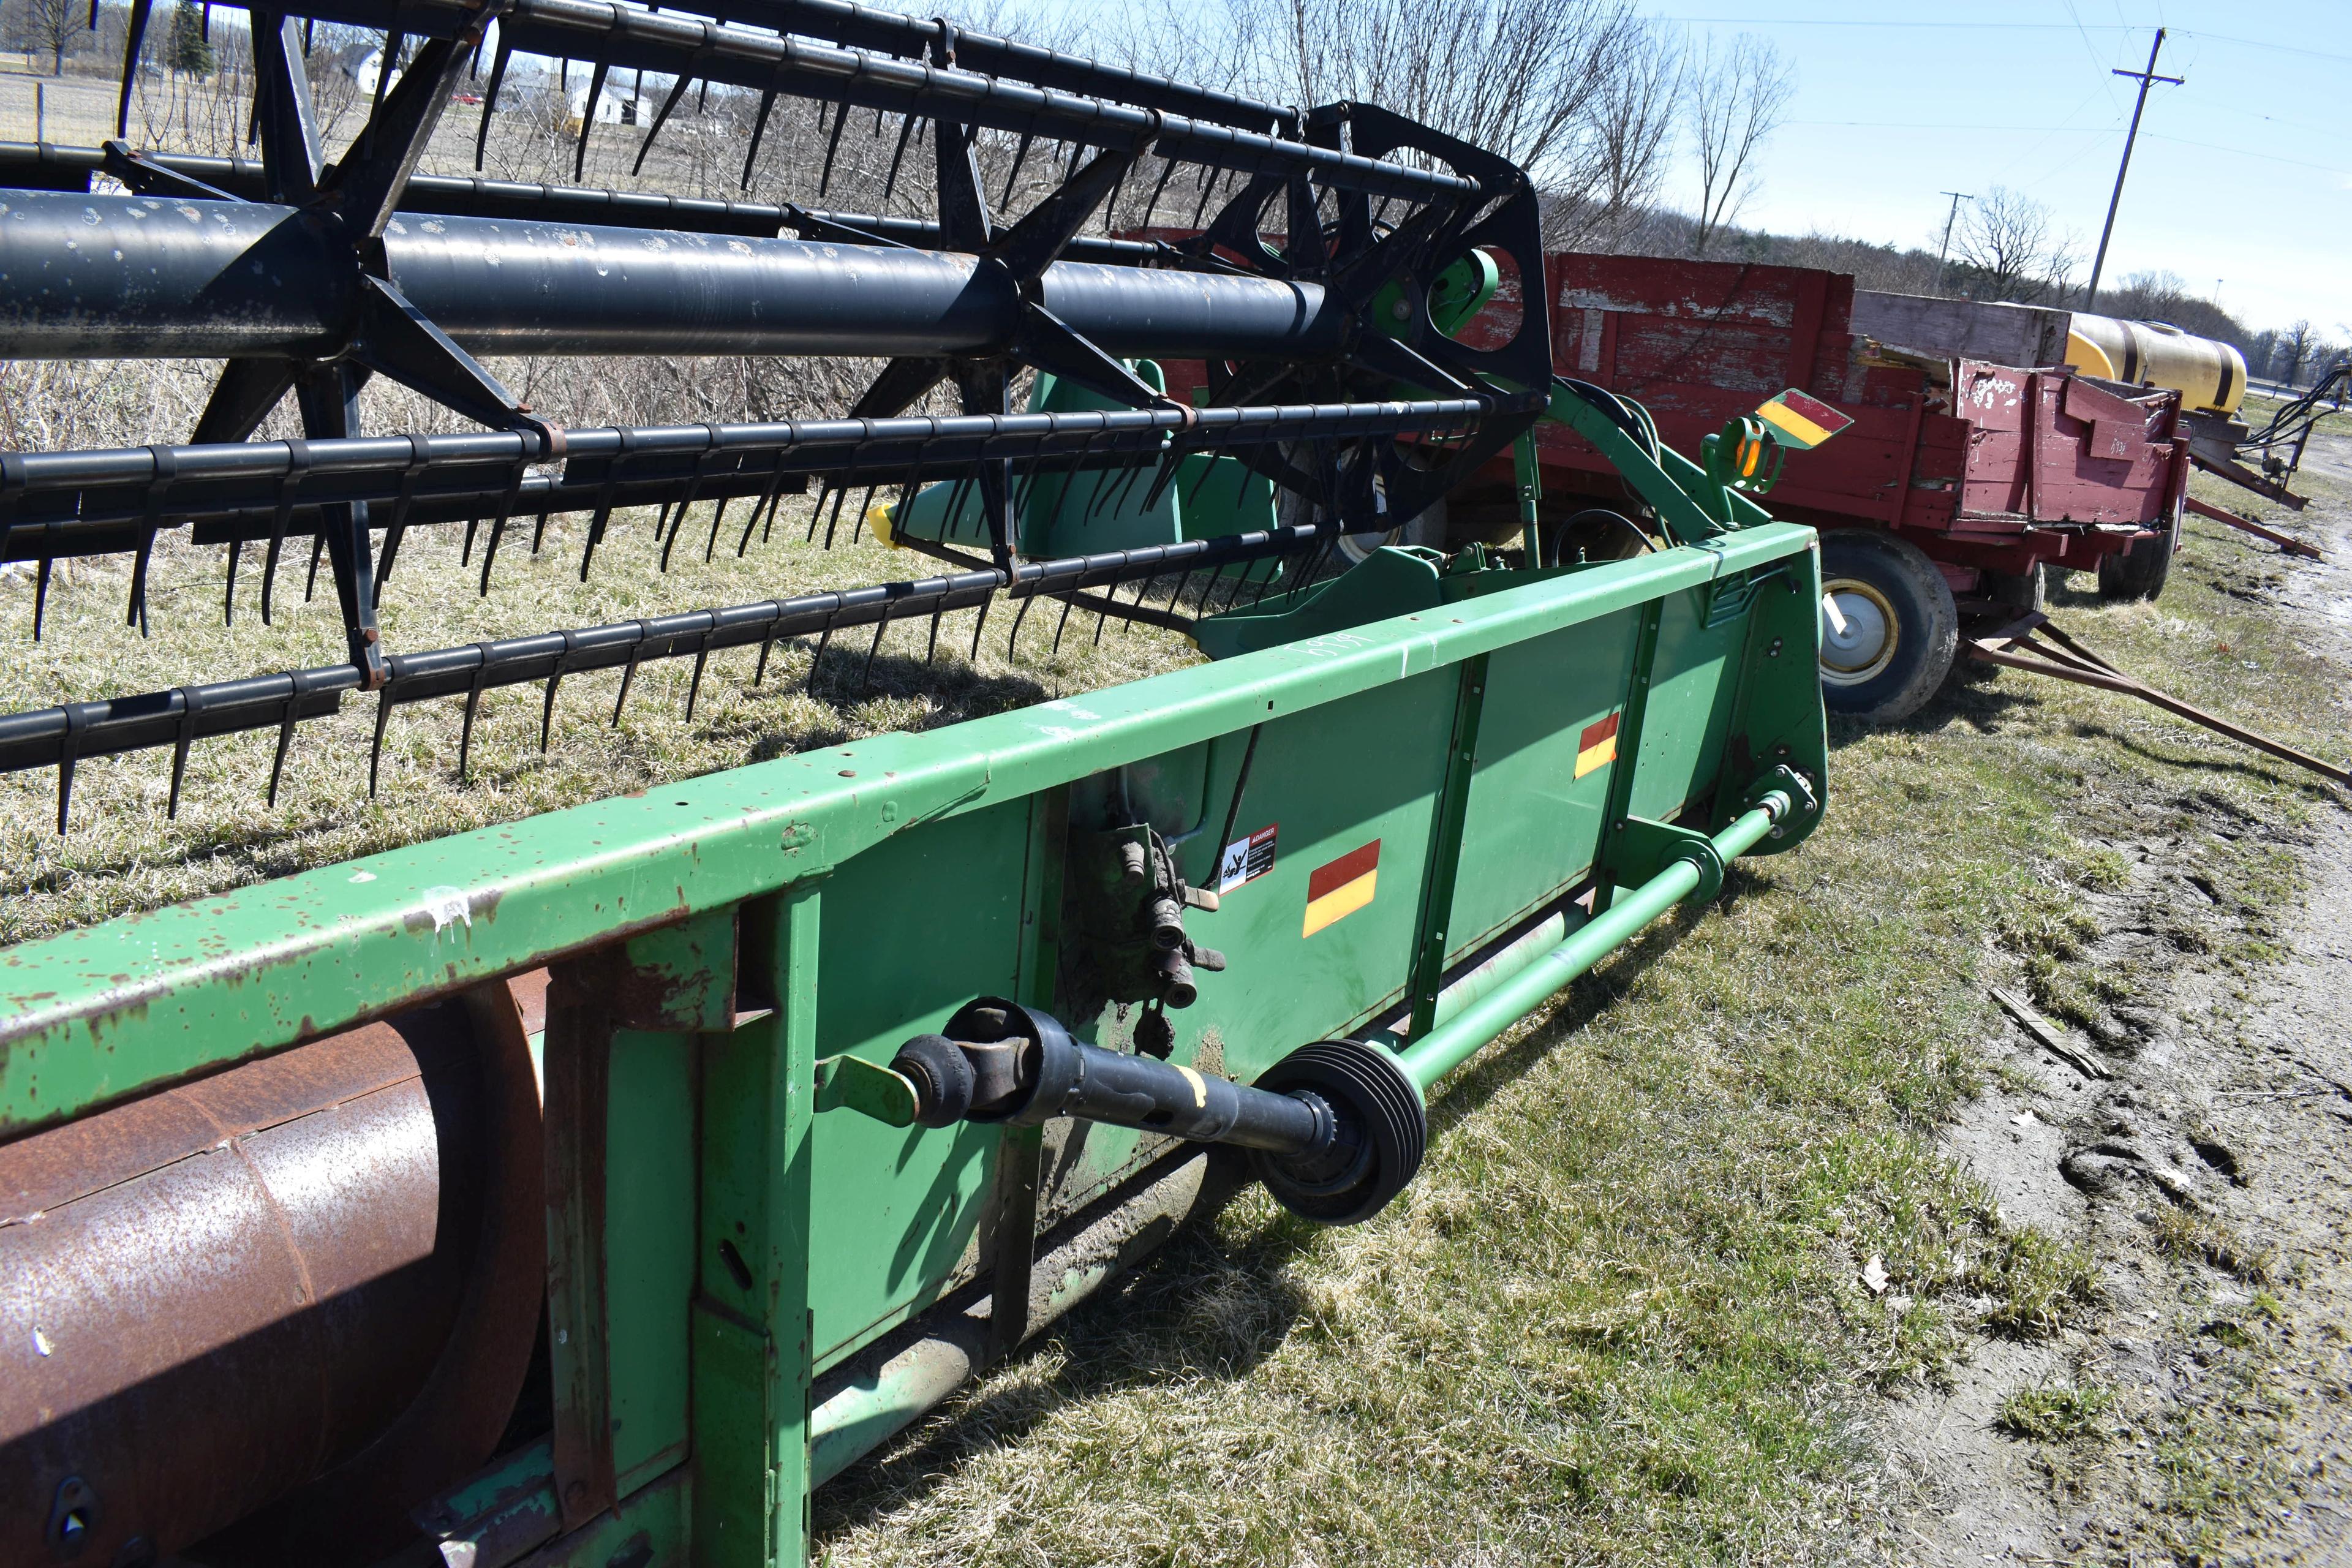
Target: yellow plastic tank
2207 374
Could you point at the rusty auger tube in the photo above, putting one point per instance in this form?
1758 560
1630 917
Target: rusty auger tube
312 1281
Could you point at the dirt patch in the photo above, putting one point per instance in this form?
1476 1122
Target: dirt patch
2203 1412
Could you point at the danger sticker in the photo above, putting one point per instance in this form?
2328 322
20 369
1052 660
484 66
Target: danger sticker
1246 859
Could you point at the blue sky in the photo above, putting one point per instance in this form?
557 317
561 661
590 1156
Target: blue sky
2242 175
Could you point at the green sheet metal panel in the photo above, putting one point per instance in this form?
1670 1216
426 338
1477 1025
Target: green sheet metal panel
649 1245
1533 825
914 928
1330 782
1693 684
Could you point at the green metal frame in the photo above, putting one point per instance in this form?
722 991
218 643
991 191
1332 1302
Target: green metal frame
738 1206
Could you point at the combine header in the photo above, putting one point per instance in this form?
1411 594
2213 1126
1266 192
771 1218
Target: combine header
590 1189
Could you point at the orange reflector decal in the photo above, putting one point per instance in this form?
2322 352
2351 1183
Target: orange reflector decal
1339 890
1801 421
1597 747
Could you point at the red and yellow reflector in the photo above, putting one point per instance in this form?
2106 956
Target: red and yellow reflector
1339 890
1801 421
1597 747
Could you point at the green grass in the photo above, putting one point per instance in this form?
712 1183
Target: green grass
2057 1413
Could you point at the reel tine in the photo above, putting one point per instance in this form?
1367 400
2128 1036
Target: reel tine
817 511
310 583
538 531
1134 472
964 482
285 743
824 636
65 790
866 675
932 647
718 515
701 658
668 539
1027 600
767 645
906 130
473 707
234 555
1020 156
1168 466
628 674
759 130
1103 475
857 524
588 121
773 495
979 625
490 99
831 147
375 744
1067 604
41 588
1167 168
547 703
491 551
833 522
136 613
180 745
465 554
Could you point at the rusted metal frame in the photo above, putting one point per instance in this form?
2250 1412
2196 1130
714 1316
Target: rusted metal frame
577 1058
2017 647
2285 541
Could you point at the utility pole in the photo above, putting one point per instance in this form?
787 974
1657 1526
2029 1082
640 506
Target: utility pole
2146 79
1950 218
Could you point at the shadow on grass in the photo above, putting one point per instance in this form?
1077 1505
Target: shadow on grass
1206 1304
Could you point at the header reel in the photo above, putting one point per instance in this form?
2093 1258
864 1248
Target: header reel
1327 375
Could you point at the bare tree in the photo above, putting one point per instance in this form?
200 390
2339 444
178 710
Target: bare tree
1624 154
1734 95
2295 345
2010 244
1577 92
52 24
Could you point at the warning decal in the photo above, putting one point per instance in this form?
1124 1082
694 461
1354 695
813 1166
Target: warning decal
1339 890
1246 859
1597 747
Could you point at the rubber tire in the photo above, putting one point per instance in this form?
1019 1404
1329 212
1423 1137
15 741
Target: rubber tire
2138 571
1427 529
1927 623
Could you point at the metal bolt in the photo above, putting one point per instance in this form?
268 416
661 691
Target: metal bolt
1772 648
73 1513
1400 309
